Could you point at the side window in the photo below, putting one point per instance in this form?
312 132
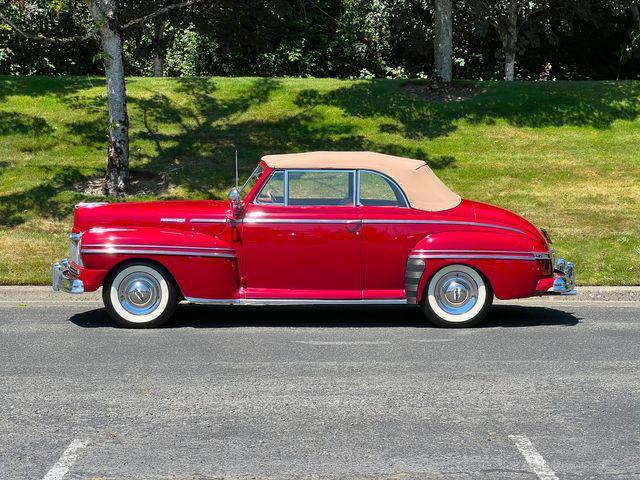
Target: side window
324 187
377 191
272 193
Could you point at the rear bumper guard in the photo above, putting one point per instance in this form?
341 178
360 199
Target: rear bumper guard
564 279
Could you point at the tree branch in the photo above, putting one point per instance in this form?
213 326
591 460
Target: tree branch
158 13
31 36
93 31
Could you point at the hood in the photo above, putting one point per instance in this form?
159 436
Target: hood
89 215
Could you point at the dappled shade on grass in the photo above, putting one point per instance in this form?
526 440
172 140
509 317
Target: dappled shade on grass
564 154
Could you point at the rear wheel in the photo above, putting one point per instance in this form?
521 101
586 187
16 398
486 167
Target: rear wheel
457 296
139 295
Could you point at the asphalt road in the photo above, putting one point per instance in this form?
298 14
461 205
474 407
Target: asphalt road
335 393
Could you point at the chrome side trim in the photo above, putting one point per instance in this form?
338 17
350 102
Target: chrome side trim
476 256
481 254
185 253
147 246
294 301
380 221
413 273
173 220
442 222
208 220
302 220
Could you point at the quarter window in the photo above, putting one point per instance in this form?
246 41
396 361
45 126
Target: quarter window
378 191
325 187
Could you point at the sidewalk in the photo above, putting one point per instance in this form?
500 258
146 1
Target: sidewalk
44 294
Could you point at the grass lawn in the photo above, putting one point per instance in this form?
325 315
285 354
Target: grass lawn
564 154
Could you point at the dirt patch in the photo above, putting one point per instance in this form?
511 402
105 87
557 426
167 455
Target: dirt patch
140 183
441 92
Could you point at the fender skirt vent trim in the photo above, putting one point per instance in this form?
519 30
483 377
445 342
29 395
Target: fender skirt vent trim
413 274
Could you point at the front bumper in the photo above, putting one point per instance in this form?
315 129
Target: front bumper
62 279
564 279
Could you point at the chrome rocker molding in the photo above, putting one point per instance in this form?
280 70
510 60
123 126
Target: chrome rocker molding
293 301
61 281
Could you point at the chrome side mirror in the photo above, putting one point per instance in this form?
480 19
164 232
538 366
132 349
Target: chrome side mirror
234 196
236 203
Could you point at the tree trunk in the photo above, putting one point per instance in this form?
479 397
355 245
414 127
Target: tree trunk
158 49
510 41
509 64
443 43
105 15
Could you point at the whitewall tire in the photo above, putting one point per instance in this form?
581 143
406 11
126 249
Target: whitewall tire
457 296
139 295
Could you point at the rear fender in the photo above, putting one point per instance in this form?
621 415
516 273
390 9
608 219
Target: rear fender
203 266
512 264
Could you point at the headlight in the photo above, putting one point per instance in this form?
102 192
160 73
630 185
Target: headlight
74 248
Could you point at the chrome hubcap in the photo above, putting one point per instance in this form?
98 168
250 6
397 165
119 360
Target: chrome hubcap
139 293
456 293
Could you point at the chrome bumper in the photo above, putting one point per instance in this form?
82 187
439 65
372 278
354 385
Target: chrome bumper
62 281
565 281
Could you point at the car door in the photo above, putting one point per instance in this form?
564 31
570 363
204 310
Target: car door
301 237
390 229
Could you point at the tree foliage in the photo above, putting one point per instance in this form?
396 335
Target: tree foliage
579 38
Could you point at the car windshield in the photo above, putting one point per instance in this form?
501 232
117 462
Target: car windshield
251 181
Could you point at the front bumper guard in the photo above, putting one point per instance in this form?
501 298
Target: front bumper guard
61 280
564 279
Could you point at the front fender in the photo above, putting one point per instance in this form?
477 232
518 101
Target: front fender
203 266
511 263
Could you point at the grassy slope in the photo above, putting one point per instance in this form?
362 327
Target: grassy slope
565 155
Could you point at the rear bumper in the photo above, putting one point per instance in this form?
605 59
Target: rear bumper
63 280
563 281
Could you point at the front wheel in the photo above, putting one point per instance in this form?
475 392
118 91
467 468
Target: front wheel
457 296
139 295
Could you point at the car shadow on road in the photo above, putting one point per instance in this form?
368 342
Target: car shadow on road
200 316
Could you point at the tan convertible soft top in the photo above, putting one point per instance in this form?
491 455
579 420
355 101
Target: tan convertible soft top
423 189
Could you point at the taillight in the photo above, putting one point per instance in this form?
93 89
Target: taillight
74 248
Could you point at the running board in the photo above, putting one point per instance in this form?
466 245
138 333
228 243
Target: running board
294 301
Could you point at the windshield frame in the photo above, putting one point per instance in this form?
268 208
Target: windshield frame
255 175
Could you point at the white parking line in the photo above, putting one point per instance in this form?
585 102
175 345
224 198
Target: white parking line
67 459
533 458
311 342
432 340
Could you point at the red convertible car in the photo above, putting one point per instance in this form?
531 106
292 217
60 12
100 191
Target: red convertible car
313 228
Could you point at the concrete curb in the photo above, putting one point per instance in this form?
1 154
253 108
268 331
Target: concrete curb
35 294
